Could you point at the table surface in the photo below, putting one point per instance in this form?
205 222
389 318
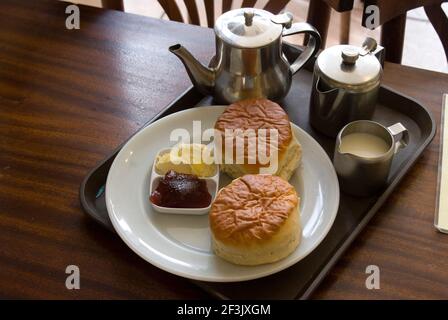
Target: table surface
69 97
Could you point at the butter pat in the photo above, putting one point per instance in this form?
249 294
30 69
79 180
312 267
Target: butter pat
188 160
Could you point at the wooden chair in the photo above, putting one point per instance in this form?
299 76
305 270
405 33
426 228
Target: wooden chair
113 4
393 21
318 13
173 12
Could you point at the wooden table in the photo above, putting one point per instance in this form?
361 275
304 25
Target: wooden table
69 97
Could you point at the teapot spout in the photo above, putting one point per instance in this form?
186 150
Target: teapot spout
203 78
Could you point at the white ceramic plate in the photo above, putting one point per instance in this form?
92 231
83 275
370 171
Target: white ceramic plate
181 244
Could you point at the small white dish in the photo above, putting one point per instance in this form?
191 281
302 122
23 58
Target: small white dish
212 186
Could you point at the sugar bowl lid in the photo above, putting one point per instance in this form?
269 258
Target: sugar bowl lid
248 27
350 66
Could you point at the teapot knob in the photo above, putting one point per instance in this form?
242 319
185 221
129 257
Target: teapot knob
349 55
248 17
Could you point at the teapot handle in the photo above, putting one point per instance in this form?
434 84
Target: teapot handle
312 47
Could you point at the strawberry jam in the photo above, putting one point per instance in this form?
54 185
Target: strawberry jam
178 190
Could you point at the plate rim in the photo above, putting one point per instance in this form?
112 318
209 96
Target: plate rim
235 278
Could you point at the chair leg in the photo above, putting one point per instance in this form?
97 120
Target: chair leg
319 16
439 21
344 36
113 4
392 38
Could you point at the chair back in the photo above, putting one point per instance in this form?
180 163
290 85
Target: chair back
174 13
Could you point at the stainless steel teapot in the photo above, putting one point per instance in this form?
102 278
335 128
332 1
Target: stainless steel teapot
249 62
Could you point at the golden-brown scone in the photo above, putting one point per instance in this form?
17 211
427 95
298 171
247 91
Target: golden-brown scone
255 220
259 114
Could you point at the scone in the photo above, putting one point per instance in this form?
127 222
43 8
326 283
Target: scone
259 114
255 220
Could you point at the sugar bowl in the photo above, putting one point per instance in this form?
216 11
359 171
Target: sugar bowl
346 83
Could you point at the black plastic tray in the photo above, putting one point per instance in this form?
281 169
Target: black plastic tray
300 280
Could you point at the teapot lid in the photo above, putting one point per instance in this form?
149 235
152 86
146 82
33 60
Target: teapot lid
350 66
248 28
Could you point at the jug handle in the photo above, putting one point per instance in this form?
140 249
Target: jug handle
311 48
400 142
